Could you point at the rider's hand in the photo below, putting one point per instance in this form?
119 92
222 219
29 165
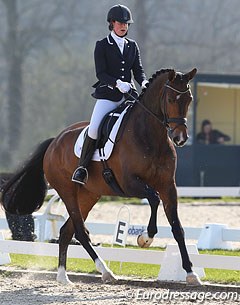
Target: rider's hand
123 86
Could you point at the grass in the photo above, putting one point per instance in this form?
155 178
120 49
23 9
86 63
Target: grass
222 276
137 201
82 265
146 271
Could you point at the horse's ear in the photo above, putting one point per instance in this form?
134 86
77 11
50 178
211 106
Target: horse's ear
171 75
190 75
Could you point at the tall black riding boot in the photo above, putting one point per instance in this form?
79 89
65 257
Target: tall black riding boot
80 175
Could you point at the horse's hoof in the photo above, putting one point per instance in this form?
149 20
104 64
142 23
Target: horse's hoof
144 241
193 279
62 277
108 277
64 281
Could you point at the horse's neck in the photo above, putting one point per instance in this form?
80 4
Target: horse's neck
148 133
148 123
152 100
152 96
145 129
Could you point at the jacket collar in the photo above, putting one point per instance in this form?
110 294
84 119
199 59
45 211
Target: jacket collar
117 38
113 43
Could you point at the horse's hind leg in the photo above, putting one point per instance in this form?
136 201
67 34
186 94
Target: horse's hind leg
81 234
78 208
66 234
169 197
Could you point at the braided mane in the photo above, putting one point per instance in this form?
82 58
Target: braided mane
152 79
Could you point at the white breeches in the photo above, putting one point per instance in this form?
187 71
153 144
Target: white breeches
101 108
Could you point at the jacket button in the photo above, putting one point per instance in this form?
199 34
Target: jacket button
122 69
122 76
123 62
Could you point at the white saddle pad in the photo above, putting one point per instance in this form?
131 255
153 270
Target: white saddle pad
108 148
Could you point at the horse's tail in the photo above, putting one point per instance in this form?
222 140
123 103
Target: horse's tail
24 193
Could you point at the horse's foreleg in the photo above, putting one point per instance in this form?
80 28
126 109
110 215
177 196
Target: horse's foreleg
141 190
169 198
154 200
66 234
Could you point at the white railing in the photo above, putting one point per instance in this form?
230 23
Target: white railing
208 191
228 235
118 254
140 256
163 231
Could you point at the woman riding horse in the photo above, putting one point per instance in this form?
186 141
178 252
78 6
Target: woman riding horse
115 58
143 161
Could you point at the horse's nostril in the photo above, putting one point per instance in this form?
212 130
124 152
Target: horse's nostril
179 141
176 139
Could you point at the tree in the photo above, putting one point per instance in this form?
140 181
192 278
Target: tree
14 56
30 26
141 23
46 56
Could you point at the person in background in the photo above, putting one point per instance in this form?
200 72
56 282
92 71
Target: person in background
208 135
21 226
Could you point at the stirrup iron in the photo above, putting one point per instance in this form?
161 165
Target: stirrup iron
80 180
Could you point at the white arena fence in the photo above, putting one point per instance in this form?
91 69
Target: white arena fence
118 254
193 233
221 233
208 191
47 224
163 231
169 260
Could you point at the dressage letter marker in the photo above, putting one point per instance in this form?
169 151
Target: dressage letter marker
121 231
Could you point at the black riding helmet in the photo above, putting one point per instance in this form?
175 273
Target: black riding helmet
119 13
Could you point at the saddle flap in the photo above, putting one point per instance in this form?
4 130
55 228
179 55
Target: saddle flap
107 135
107 124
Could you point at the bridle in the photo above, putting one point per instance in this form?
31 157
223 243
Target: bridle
166 120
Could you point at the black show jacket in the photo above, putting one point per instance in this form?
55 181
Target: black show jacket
112 65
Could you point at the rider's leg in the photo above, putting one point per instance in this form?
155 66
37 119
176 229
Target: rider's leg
80 175
101 108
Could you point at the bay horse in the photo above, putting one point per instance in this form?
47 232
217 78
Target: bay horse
143 161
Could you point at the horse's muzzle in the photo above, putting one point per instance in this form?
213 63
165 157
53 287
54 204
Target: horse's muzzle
179 139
